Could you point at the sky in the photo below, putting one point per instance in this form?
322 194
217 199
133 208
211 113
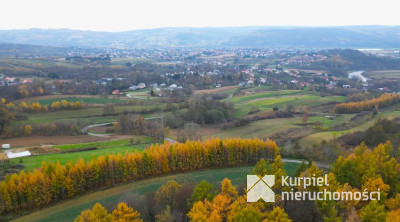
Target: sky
123 15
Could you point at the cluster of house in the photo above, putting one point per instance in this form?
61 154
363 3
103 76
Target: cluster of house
139 86
303 59
13 81
158 89
107 81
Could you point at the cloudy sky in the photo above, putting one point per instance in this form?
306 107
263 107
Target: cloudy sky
121 15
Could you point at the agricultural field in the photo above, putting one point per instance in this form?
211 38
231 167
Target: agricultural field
267 100
56 97
85 115
328 135
123 61
383 74
53 140
68 209
260 129
84 100
105 144
108 147
222 90
262 95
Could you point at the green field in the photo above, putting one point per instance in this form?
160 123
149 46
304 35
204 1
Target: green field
383 74
96 113
270 99
328 123
67 210
104 144
35 162
328 135
81 99
266 94
260 129
306 100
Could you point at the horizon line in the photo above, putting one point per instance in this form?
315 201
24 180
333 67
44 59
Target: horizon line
202 27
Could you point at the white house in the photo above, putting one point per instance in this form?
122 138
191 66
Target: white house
172 87
142 85
133 87
5 146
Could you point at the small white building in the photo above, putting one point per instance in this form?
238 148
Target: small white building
141 85
133 87
172 87
5 146
12 155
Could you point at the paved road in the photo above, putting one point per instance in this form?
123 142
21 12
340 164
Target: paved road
169 140
321 165
86 128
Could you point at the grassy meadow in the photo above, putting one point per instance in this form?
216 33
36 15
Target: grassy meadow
34 162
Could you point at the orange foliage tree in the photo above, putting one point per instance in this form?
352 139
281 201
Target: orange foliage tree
53 182
385 100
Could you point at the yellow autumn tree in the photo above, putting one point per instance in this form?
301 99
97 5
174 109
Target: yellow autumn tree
373 212
375 185
393 216
228 189
277 215
97 214
10 105
248 213
393 203
199 212
124 213
166 193
77 105
220 205
28 130
56 105
36 107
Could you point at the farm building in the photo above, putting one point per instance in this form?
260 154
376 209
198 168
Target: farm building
12 155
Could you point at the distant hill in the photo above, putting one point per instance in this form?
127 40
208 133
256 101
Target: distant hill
26 51
297 37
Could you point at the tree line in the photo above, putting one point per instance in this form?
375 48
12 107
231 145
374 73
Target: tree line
54 182
64 128
123 213
384 100
363 170
36 107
